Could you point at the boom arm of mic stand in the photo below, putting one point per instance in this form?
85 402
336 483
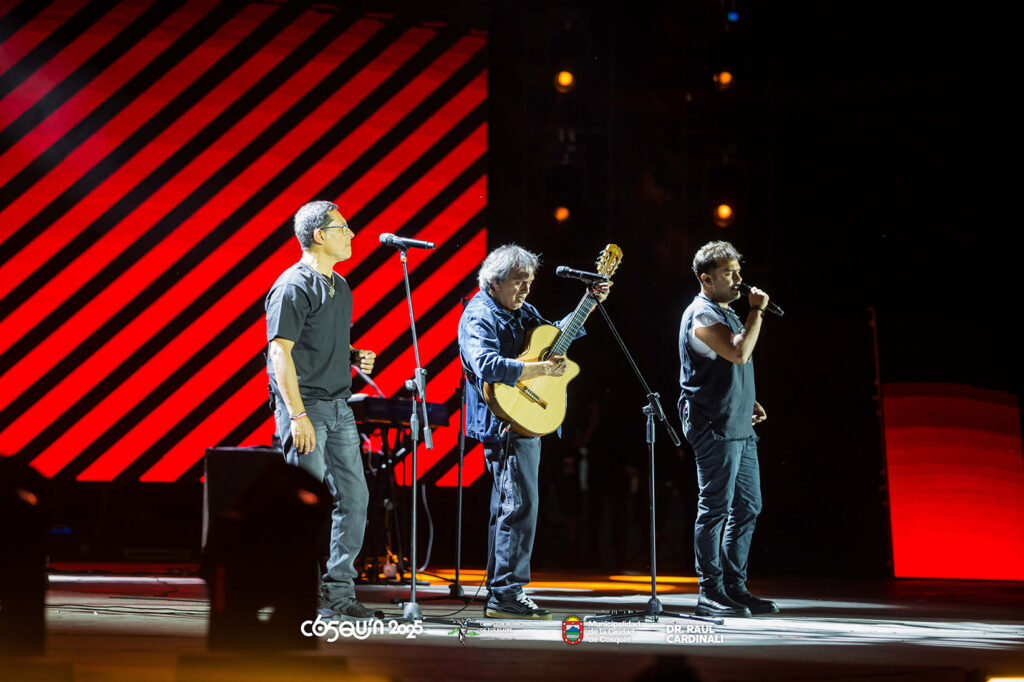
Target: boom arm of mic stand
652 398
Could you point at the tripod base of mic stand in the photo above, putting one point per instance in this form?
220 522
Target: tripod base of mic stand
411 611
654 611
455 593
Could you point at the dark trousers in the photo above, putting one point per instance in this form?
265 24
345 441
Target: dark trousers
514 503
728 504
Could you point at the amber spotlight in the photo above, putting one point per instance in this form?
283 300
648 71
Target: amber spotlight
723 215
565 81
724 80
561 214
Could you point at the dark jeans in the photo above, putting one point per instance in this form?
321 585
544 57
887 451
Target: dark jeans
514 504
336 458
727 507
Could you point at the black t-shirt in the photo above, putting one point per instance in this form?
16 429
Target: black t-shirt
300 308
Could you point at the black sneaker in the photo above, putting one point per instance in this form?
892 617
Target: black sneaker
519 606
717 604
350 611
757 606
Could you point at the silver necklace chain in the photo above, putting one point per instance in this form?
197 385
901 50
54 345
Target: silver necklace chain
329 281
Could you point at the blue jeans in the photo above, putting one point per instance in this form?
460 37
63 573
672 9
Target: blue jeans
336 458
729 502
514 504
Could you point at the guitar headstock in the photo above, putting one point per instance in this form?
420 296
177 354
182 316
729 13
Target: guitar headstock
608 261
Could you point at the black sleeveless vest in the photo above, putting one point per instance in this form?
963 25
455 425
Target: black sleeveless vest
719 392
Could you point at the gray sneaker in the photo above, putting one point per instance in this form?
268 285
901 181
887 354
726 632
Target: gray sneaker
350 611
519 606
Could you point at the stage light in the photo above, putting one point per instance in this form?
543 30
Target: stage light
724 80
723 215
565 81
561 214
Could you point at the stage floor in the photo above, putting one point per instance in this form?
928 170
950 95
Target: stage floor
115 626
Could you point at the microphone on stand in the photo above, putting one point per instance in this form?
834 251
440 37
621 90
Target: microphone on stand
403 243
582 275
772 307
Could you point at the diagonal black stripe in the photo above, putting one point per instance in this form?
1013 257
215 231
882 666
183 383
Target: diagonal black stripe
195 256
125 95
53 43
198 415
435 259
141 409
425 322
255 419
252 260
462 182
83 75
15 20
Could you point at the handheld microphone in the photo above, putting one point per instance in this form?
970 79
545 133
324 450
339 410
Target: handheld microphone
403 243
772 307
583 276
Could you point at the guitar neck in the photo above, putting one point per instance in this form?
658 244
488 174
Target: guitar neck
579 316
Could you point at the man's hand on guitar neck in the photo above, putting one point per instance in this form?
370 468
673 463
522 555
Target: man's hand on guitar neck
554 366
601 289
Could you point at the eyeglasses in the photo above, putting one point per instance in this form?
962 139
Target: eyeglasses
343 226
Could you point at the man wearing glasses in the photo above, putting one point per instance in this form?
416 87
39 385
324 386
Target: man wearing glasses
309 315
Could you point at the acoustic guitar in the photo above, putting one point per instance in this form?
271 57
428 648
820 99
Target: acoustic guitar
536 407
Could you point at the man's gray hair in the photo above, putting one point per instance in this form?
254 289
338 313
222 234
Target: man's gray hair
503 261
310 217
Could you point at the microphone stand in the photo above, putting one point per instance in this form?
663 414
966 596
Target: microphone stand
418 385
455 591
653 411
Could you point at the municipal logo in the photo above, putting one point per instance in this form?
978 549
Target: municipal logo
572 630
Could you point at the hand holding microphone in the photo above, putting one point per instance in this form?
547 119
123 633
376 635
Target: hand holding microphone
759 299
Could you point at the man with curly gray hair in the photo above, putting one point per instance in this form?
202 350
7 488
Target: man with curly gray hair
492 332
309 315
718 409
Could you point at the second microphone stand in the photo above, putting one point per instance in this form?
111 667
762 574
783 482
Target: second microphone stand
455 591
652 410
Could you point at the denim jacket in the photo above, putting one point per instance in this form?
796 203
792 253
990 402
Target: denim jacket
490 338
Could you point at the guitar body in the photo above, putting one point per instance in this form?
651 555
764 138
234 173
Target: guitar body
534 407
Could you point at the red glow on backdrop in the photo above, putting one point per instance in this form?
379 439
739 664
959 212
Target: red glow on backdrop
151 157
956 481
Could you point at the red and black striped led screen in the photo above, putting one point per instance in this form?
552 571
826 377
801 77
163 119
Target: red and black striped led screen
152 154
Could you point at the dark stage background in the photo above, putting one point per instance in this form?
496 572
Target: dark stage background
864 152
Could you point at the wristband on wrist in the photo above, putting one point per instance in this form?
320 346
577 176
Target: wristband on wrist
760 310
300 415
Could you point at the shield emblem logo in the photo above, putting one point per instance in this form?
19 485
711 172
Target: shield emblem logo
572 630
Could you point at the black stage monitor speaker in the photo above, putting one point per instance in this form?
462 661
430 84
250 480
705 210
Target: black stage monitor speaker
226 472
